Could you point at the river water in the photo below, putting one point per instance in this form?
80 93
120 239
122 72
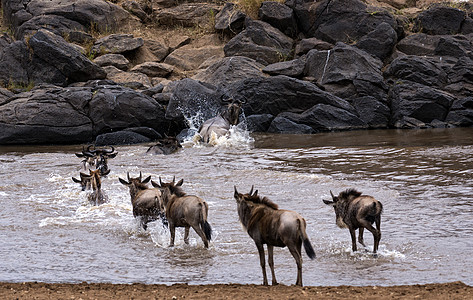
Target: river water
50 233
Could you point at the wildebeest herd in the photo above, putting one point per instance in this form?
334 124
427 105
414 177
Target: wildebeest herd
263 220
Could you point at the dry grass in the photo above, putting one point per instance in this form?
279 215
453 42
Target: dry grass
251 7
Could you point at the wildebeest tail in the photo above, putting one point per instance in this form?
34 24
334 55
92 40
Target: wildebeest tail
305 239
203 222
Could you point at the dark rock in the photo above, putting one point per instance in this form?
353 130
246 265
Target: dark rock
418 44
409 123
461 112
123 137
154 90
283 125
136 9
116 60
187 14
277 94
323 117
439 20
117 43
423 70
420 102
460 77
467 26
259 123
305 45
373 112
379 42
56 24
230 19
279 16
454 46
153 69
340 20
293 68
55 51
14 63
157 48
228 70
261 42
132 80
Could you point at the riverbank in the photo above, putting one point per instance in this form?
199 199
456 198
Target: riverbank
453 290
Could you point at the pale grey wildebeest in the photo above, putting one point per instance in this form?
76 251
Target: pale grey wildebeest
147 202
267 224
94 182
356 211
184 210
220 125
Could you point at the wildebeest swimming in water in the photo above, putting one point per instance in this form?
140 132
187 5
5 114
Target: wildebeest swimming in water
147 202
166 145
92 181
185 211
267 224
96 158
220 125
356 211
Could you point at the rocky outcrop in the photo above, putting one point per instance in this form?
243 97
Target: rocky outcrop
302 67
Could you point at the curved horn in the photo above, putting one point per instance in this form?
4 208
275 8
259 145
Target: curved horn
91 151
160 181
140 176
109 151
173 179
128 176
333 197
251 191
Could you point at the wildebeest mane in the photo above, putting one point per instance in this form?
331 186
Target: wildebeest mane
349 194
176 190
141 186
264 200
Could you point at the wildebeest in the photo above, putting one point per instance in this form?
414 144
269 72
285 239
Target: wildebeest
267 224
166 145
96 158
92 181
220 124
356 211
185 211
84 181
147 202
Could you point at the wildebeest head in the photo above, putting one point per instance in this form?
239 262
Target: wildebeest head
340 204
232 112
86 181
135 181
89 158
166 145
102 158
169 188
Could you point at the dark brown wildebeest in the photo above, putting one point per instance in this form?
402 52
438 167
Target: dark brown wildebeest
92 181
356 211
147 202
267 224
184 211
220 125
166 145
96 158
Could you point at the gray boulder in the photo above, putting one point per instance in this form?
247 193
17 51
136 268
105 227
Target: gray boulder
293 68
461 112
259 123
116 60
261 42
116 43
230 20
279 16
153 69
379 42
439 20
283 125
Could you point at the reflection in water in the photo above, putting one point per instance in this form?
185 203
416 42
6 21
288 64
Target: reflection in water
423 178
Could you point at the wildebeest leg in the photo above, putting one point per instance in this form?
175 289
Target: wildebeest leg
186 234
296 253
271 264
360 236
353 238
172 229
378 227
376 234
262 262
201 233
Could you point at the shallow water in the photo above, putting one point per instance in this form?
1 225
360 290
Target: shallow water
49 232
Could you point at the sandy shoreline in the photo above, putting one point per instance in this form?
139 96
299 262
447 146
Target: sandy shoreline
34 290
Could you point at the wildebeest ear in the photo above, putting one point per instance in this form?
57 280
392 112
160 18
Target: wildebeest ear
123 181
147 179
180 182
106 173
255 193
76 180
328 202
155 184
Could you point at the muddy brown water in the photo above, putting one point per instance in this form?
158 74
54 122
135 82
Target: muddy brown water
50 233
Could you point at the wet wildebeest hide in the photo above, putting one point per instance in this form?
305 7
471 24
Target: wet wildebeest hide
185 211
166 145
147 202
267 224
356 211
96 158
93 182
85 180
220 125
